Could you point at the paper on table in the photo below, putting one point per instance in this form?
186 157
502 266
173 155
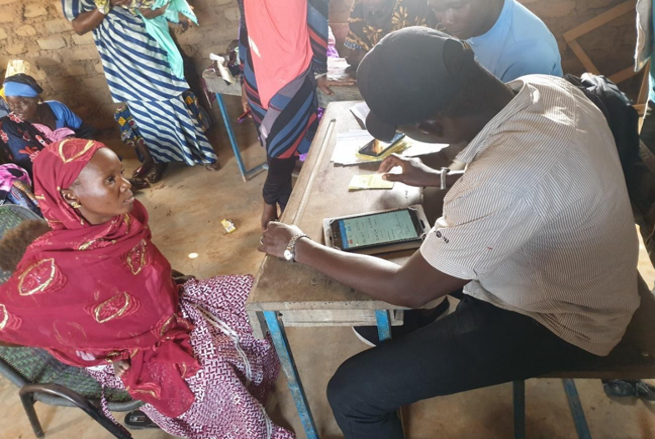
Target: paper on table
360 111
369 181
349 144
337 69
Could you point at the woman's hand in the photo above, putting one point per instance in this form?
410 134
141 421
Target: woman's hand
324 84
276 238
120 367
414 172
119 2
153 13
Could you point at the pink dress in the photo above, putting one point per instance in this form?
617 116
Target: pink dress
238 370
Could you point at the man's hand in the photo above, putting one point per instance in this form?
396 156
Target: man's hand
414 172
120 367
276 238
324 84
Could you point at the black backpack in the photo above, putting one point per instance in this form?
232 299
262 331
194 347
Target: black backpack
621 116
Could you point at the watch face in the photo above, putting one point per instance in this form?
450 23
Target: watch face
288 255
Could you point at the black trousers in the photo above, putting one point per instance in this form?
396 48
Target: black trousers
279 181
478 345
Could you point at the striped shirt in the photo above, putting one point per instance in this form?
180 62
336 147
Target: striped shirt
541 222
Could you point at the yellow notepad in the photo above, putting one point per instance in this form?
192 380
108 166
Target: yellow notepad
369 181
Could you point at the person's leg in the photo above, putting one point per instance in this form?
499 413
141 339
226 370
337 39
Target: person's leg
477 346
278 187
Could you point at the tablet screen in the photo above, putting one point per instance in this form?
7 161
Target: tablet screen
377 229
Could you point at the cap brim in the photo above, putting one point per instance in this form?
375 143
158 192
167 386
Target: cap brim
378 129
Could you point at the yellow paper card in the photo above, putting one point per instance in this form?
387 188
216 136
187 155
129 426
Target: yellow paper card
369 181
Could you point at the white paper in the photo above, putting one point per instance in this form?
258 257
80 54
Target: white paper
360 111
225 73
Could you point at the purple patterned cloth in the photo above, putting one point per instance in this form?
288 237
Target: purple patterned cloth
238 370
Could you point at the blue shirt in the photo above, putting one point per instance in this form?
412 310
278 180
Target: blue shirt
518 44
65 117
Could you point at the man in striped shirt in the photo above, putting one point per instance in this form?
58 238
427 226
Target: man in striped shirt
537 230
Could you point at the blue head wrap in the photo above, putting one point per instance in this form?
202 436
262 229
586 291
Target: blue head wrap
18 89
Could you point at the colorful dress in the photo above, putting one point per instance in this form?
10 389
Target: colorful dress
138 73
367 29
278 77
21 141
16 188
238 371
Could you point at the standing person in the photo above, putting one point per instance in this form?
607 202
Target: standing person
507 39
139 72
371 20
282 47
538 231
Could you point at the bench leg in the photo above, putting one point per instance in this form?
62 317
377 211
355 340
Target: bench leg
384 324
576 409
289 366
519 409
384 333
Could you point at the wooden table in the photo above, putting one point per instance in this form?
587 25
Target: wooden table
296 295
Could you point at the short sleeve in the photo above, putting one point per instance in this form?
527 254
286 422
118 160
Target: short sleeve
72 8
480 228
65 115
531 57
317 20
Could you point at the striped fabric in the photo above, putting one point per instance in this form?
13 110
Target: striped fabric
182 140
287 127
138 72
541 221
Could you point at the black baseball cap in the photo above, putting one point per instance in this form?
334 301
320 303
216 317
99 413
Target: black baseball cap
409 76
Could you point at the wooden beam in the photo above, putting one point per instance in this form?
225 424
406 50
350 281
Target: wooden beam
623 75
584 58
600 20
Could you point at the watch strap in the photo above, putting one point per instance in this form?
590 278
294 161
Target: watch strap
291 246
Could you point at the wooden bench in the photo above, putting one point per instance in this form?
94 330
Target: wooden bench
632 359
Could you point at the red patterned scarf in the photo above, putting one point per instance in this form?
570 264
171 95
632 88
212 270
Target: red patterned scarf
94 294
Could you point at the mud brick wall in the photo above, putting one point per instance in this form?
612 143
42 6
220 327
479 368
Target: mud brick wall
69 69
68 65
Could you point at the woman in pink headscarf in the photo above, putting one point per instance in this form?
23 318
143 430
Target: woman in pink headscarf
97 293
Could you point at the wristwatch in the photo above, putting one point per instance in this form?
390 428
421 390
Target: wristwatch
290 252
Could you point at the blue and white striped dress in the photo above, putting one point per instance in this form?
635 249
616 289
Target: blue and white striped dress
138 73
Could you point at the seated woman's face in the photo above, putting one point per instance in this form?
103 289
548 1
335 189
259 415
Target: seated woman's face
101 189
23 107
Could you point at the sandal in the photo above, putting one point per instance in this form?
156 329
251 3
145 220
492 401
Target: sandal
138 183
143 170
156 173
137 420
